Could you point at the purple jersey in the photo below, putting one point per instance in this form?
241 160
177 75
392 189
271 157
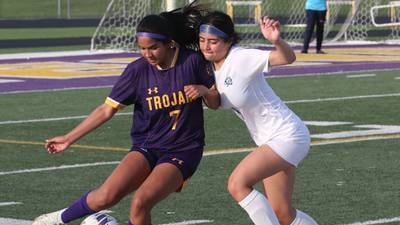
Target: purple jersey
164 118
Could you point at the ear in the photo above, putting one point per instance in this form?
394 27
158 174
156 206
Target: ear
173 44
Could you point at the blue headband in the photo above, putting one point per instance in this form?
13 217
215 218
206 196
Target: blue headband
152 35
210 29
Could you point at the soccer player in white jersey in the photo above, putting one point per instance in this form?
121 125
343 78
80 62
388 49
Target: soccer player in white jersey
282 138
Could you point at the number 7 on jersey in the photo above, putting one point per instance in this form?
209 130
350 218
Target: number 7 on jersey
175 114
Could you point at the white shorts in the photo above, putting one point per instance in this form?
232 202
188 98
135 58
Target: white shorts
292 148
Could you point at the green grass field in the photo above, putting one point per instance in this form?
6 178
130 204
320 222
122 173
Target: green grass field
342 181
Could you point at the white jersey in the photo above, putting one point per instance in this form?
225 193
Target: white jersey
243 88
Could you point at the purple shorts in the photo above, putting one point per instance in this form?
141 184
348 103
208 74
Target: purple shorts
186 161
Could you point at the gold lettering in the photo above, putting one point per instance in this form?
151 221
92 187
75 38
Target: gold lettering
181 98
174 101
149 103
165 101
157 102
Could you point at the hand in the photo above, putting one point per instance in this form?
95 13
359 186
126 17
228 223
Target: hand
57 144
271 29
195 91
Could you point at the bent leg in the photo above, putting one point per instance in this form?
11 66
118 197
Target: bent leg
279 189
126 177
163 180
259 164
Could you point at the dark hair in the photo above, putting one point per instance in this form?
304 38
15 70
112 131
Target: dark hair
180 25
223 22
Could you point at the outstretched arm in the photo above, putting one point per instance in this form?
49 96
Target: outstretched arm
95 119
283 53
210 95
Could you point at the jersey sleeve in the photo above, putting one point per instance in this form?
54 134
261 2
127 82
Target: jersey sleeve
252 61
123 92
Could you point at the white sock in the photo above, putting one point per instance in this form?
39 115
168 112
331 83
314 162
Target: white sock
303 219
259 209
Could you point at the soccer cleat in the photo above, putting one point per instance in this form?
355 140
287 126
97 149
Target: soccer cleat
53 218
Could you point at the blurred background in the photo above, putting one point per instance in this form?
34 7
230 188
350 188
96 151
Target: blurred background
53 25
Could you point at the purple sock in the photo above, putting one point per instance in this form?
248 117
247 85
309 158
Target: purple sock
77 210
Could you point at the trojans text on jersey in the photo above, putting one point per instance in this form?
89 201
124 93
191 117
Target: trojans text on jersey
166 100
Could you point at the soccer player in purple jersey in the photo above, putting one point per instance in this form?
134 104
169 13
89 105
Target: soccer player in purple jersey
166 86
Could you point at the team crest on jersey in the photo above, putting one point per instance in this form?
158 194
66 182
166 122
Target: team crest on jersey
228 81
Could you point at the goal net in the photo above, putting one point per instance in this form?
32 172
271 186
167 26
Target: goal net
347 20
116 30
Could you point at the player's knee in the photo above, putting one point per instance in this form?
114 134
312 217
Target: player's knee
140 203
105 198
236 187
231 186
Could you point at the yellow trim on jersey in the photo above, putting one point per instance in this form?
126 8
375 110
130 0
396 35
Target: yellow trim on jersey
116 105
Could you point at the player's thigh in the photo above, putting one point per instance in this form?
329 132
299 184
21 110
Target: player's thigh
127 176
279 188
165 179
261 163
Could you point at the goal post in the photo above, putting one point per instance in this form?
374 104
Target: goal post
347 20
256 5
393 8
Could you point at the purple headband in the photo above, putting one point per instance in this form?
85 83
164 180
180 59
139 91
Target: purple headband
152 35
210 29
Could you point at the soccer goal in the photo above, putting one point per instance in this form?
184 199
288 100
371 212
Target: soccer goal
116 30
393 9
355 21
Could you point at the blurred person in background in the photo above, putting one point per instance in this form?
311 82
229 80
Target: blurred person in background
315 17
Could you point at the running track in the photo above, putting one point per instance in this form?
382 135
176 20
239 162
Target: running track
20 73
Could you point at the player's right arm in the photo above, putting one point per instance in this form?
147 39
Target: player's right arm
95 119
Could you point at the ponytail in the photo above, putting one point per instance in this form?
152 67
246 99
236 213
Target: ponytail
180 25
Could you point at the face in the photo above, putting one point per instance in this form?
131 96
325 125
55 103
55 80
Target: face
213 48
154 51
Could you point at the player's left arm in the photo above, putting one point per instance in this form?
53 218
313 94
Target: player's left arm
283 53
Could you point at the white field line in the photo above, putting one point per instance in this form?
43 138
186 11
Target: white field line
207 153
397 78
4 81
378 221
130 113
9 221
9 203
35 55
361 75
343 98
58 167
55 89
53 119
189 222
